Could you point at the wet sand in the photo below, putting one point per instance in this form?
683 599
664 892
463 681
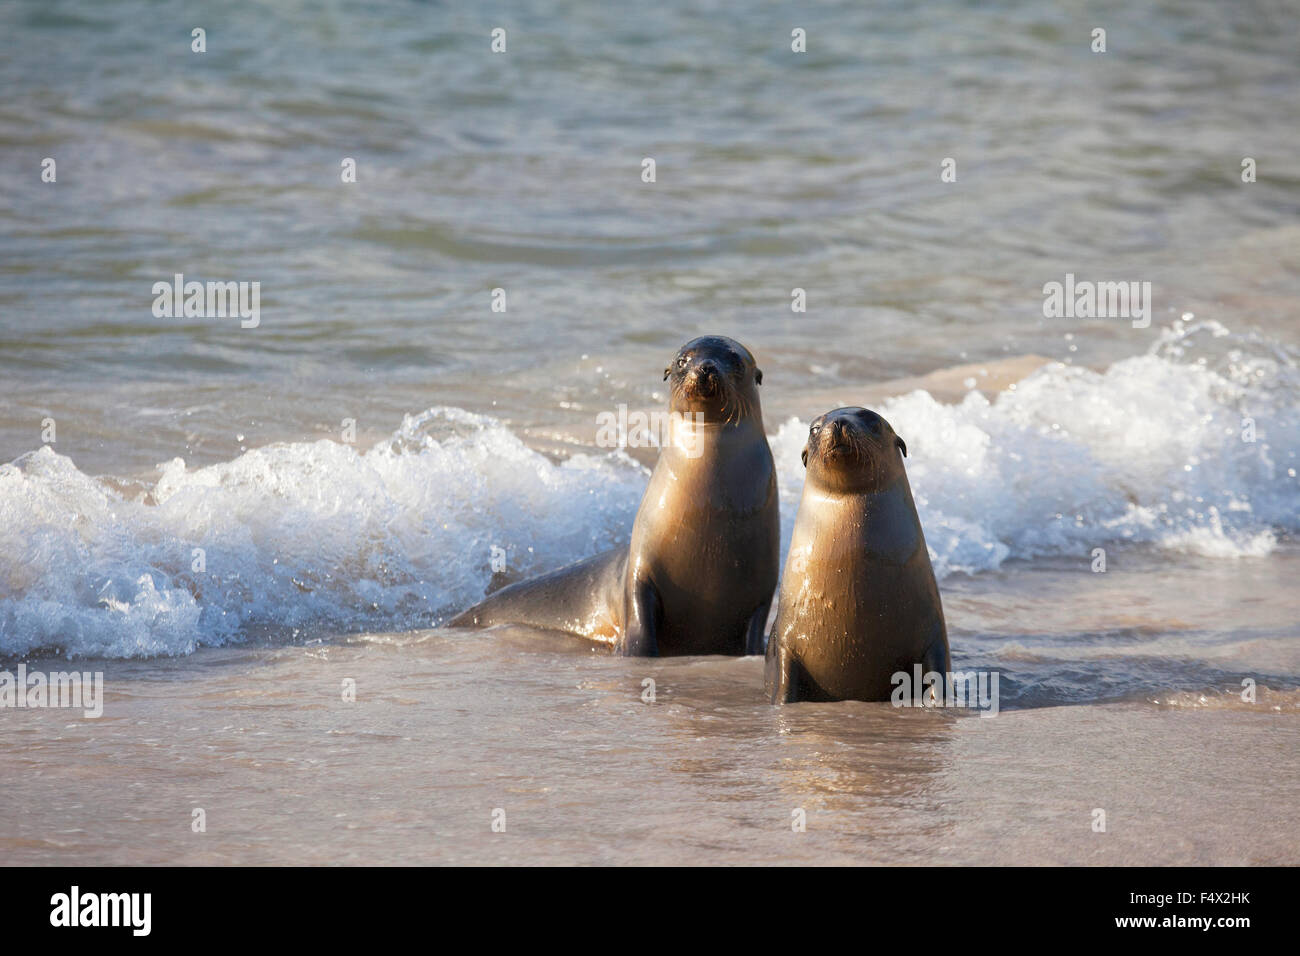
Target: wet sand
449 726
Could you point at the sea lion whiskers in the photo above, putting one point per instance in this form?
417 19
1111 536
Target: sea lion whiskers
736 407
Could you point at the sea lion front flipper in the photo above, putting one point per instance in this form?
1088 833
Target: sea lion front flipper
936 657
644 612
757 628
781 673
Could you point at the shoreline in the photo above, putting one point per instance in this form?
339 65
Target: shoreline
446 729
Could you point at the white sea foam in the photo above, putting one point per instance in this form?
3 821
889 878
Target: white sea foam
1149 451
322 536
294 535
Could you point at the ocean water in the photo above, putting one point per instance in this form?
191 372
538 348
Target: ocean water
220 511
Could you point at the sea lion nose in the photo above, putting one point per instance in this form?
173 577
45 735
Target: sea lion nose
705 377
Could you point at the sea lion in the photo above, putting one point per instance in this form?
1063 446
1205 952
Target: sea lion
701 568
858 600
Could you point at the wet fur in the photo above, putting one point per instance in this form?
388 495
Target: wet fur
858 599
700 570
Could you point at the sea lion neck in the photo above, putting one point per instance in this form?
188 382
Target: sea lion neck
733 408
690 428
846 489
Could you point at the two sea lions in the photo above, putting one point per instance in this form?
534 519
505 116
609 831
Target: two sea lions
701 568
858 600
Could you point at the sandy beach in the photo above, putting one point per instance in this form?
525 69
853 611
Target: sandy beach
451 258
588 773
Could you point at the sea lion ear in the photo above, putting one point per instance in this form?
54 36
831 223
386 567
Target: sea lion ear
758 376
666 371
902 445
804 456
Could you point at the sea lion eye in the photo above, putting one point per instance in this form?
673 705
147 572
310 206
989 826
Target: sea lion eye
681 361
816 427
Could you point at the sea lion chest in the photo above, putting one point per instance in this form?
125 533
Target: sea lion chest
707 536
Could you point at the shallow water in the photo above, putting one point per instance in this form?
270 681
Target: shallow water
449 728
476 430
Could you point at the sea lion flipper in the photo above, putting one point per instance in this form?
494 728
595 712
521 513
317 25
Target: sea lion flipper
566 599
644 612
936 657
757 629
780 673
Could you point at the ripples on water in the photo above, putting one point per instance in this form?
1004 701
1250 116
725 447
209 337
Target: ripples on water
522 170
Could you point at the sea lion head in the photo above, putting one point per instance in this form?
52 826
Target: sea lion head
715 378
853 450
